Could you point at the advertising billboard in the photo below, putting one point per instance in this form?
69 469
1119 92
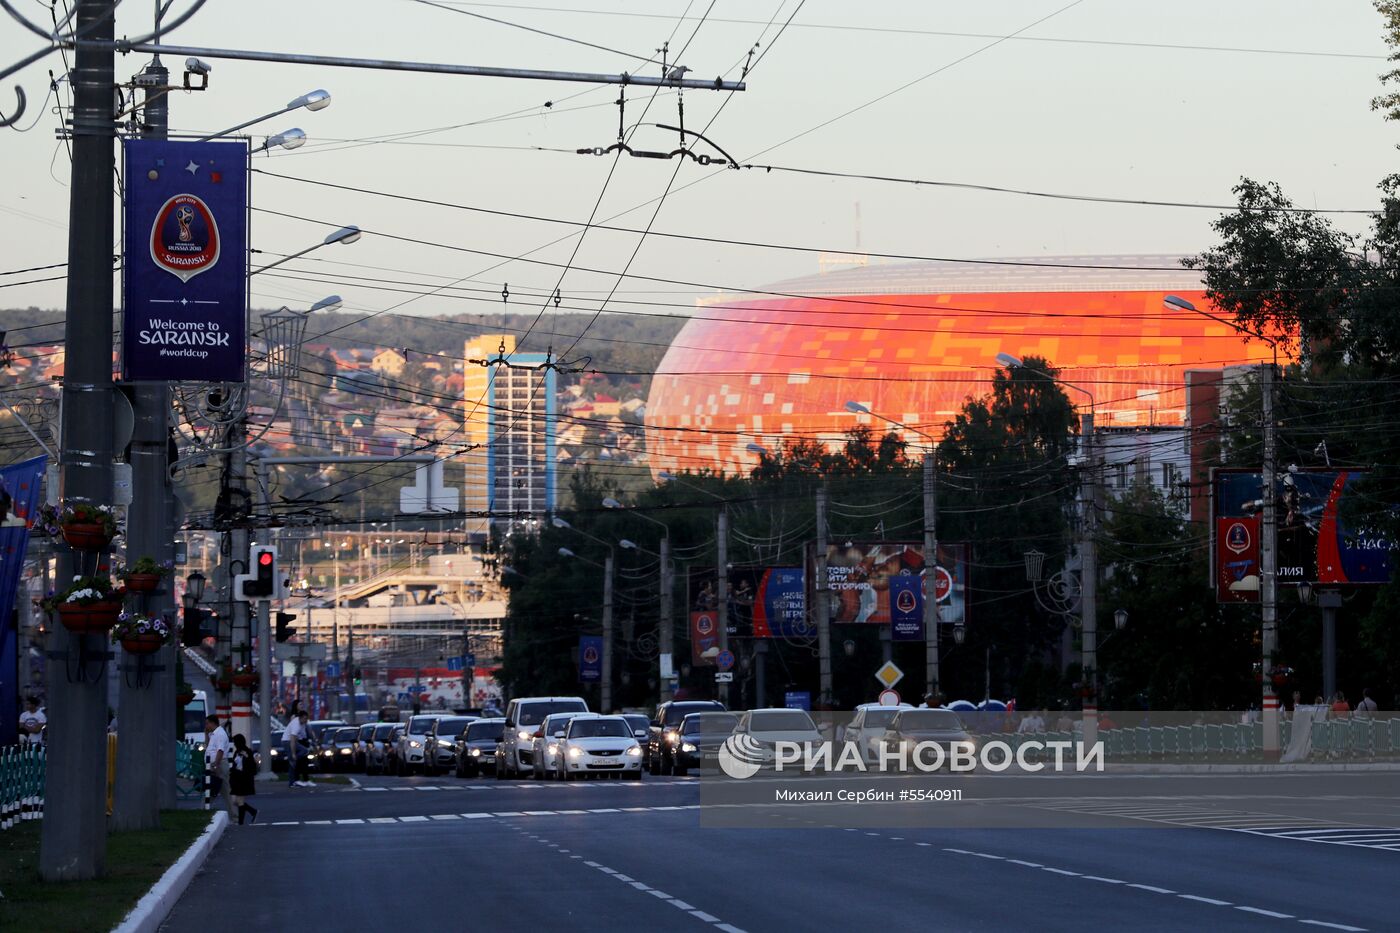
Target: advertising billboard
764 602
1315 543
185 271
869 584
590 659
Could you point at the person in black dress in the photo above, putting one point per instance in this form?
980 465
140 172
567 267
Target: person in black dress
243 769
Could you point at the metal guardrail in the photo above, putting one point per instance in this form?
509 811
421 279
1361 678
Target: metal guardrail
189 770
1339 739
22 769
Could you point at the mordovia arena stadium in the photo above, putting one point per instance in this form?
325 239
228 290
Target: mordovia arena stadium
913 341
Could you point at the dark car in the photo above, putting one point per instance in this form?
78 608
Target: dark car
663 737
701 736
442 737
914 726
384 751
337 748
477 744
359 757
279 753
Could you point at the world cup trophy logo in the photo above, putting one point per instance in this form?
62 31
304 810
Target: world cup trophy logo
184 216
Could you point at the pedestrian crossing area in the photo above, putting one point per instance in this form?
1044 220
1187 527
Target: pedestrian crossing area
471 817
1239 821
501 785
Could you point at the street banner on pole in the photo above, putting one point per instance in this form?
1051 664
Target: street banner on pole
906 608
704 637
185 272
20 483
590 659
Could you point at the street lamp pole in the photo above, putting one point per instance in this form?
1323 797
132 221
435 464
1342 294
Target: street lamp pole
665 630
931 620
721 569
605 687
1088 551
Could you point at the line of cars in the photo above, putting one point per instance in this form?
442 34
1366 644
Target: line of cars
559 738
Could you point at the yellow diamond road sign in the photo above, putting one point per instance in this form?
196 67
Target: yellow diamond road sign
888 674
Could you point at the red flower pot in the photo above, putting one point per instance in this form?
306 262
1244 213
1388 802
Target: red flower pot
223 685
89 619
182 699
141 582
244 680
84 536
142 644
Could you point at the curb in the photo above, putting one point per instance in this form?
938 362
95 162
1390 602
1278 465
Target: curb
1284 768
150 912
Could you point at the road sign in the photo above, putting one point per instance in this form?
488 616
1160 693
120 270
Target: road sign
724 661
292 651
333 669
724 677
798 699
469 661
889 674
454 663
889 698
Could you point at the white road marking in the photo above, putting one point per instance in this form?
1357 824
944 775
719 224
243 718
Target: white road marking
1333 926
317 823
444 816
344 822
1103 879
476 816
539 812
708 918
604 810
677 902
1268 913
371 789
1206 900
510 813
383 819
413 819
1153 888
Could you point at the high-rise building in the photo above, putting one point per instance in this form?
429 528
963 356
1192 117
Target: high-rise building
510 418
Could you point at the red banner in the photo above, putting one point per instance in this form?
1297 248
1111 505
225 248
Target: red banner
1237 559
704 638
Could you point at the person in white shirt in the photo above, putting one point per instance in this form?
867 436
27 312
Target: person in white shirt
216 753
297 738
1367 706
1032 723
31 723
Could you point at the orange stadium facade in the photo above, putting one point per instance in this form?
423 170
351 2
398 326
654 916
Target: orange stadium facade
912 342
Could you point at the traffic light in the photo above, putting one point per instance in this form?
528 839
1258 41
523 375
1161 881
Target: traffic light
357 675
261 580
284 625
192 632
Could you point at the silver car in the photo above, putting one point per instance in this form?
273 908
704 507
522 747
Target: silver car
545 752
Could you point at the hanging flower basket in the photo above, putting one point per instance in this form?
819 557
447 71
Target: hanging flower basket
85 527
223 685
141 582
89 618
149 643
185 698
82 536
144 575
245 675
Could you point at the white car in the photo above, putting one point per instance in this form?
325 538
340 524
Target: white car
600 745
544 752
523 718
769 726
868 726
414 741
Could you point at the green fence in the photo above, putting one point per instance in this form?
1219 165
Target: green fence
1334 740
21 785
189 770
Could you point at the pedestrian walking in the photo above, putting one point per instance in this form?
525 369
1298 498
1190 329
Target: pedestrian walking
1367 707
216 755
31 723
243 770
297 737
1340 708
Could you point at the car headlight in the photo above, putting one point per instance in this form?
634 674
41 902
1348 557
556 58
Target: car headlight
476 753
443 743
415 744
524 735
673 737
345 751
553 748
636 750
575 752
685 747
327 753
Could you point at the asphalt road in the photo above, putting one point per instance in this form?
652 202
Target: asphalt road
443 854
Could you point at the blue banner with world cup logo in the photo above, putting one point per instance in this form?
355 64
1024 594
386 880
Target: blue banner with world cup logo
185 269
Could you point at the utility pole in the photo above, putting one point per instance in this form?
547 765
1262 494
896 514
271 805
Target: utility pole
1268 568
666 633
241 698
822 609
73 839
1089 585
1330 601
605 691
722 588
142 755
931 633
333 701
